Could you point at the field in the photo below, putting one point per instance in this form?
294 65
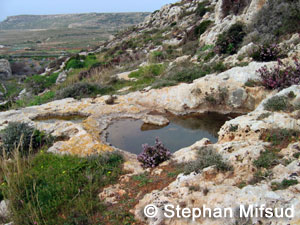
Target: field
55 35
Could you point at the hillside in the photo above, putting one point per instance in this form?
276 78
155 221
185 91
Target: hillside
87 20
188 66
49 35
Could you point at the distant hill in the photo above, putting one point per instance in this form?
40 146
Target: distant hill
86 20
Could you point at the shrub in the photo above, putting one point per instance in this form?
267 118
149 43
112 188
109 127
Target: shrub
202 27
202 8
229 41
233 6
80 90
38 83
23 136
152 156
207 157
74 64
277 103
266 160
266 53
281 76
188 74
277 18
284 184
281 136
163 83
157 56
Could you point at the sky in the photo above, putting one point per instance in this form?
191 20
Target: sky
43 7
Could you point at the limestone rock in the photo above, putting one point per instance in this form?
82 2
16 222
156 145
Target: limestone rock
5 69
61 77
156 120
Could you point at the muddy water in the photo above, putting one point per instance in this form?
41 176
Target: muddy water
130 134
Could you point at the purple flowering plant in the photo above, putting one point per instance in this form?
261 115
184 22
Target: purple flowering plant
281 76
152 156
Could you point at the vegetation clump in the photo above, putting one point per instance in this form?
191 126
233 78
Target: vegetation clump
277 18
267 160
202 8
54 189
24 137
281 76
152 156
233 6
284 184
266 53
80 90
230 41
207 157
277 103
38 83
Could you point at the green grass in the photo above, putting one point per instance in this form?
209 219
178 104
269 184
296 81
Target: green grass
38 83
148 71
54 189
143 179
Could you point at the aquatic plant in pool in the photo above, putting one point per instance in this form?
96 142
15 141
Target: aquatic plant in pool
152 156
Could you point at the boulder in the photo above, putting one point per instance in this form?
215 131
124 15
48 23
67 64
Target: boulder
61 77
5 69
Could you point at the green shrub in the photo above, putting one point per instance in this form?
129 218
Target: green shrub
199 30
233 6
277 18
157 56
207 157
80 90
284 184
55 189
23 136
229 41
202 8
188 74
277 103
74 64
267 160
278 136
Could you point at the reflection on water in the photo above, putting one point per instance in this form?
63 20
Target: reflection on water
130 134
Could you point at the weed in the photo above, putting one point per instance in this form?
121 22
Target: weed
233 128
207 157
55 189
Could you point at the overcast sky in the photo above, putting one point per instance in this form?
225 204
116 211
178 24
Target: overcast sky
41 7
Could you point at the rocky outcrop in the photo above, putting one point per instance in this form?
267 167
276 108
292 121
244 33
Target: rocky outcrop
5 69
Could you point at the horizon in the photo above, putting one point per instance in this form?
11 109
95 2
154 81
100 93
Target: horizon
10 8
